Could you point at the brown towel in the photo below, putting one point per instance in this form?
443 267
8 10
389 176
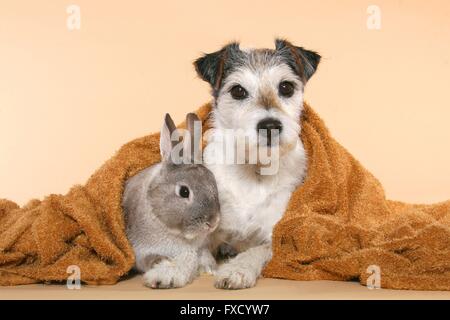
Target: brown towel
339 224
84 227
336 225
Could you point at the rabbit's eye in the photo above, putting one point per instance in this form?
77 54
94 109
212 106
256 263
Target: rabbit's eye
183 192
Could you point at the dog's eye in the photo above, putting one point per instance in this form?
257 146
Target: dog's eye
183 191
286 89
238 92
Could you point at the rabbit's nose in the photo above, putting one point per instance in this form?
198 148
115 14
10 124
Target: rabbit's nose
213 224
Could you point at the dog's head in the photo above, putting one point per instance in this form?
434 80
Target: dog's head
259 91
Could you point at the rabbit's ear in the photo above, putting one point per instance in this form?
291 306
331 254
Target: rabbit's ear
193 142
165 142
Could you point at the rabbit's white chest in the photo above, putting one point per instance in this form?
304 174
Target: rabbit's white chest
252 204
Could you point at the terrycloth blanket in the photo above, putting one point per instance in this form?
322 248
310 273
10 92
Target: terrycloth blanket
338 225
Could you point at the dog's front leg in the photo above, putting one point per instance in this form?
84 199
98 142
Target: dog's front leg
243 270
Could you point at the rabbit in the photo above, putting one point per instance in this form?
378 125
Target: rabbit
170 209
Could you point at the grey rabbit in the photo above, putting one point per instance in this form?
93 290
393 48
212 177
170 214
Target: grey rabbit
170 209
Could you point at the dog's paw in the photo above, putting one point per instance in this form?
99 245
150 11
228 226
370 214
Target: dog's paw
166 275
231 277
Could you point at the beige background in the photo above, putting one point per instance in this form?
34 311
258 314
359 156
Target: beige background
69 99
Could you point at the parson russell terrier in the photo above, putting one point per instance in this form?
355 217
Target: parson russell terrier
254 90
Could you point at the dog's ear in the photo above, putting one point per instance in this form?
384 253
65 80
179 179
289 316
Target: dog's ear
211 66
304 62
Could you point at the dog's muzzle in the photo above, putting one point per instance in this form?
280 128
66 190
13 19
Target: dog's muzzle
269 128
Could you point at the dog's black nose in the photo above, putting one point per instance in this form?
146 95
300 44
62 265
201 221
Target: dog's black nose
270 124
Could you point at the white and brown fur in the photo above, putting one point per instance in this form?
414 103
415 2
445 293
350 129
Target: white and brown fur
251 203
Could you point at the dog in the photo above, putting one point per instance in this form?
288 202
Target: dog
254 90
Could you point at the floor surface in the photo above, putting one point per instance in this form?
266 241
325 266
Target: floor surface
202 288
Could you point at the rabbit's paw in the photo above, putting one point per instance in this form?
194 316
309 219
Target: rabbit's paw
232 276
166 275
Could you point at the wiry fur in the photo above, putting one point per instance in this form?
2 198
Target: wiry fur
252 203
